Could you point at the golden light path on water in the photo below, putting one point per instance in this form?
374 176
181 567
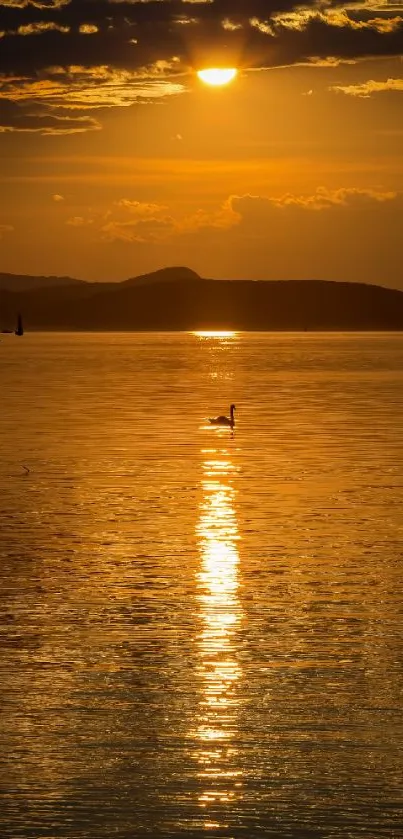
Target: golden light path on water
221 614
213 333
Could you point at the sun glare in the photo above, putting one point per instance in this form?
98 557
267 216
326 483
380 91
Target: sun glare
217 76
215 333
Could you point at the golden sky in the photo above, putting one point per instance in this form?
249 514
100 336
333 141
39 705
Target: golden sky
116 159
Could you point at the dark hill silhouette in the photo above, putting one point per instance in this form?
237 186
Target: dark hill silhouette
163 275
26 282
183 304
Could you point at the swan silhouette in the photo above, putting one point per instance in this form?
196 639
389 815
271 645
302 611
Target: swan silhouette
230 421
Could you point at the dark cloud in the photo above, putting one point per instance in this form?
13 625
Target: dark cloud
167 38
39 120
130 35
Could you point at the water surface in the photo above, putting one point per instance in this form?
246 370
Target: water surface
201 630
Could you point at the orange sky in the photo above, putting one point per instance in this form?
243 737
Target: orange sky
116 159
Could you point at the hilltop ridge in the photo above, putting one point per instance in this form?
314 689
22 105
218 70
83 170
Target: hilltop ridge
177 298
163 275
28 282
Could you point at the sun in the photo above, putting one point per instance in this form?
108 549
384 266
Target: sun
217 76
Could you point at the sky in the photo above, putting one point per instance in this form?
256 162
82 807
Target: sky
115 159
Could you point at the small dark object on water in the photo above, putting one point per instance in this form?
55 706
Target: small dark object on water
20 328
221 420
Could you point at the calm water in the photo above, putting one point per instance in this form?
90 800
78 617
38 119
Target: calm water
201 631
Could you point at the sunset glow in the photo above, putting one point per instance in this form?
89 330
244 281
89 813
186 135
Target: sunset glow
243 142
201 457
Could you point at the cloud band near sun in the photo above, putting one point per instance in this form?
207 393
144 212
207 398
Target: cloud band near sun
65 55
134 221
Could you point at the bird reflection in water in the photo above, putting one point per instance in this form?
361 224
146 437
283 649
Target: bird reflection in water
220 613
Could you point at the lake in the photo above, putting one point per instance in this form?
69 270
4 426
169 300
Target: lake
201 629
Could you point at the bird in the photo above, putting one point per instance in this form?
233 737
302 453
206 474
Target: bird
230 421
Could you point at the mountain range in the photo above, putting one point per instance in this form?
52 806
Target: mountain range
179 299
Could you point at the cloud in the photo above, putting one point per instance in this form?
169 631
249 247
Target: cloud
139 209
150 231
322 199
68 54
132 221
147 222
342 234
222 219
339 17
367 89
135 221
58 197
38 27
78 88
130 35
255 211
154 223
88 29
37 119
259 213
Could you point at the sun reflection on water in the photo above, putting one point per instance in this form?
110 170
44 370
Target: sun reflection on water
215 333
220 613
